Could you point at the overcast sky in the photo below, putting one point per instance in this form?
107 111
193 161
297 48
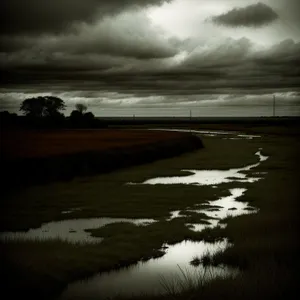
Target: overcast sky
153 57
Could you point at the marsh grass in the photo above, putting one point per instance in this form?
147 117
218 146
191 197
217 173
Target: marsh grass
265 247
184 281
187 281
195 262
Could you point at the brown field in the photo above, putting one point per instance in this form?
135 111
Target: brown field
33 144
45 156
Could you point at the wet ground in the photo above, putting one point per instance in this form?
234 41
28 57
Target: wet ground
147 277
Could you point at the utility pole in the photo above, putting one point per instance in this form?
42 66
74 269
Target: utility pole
274 103
190 119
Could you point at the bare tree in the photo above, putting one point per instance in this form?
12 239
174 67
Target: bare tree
81 107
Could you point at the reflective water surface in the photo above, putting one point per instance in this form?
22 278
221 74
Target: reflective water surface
210 177
146 277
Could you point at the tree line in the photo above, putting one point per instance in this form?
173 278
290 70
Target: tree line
46 111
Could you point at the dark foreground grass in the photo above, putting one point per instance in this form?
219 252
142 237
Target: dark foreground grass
52 264
265 244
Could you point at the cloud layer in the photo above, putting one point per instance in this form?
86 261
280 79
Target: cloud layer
255 15
214 66
55 16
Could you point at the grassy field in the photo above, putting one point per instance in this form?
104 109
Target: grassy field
265 244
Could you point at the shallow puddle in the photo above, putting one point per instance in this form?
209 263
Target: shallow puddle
248 136
71 230
199 227
210 177
174 214
147 277
229 207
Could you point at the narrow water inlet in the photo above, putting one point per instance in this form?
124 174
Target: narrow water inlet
146 277
229 207
205 132
213 133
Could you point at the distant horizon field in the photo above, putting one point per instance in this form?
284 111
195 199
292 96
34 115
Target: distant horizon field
226 111
202 118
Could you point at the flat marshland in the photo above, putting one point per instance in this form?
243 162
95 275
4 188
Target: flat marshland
265 244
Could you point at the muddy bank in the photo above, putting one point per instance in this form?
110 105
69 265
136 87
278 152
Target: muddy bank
22 170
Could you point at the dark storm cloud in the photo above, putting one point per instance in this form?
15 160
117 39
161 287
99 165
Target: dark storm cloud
226 52
128 34
285 54
225 66
256 15
54 16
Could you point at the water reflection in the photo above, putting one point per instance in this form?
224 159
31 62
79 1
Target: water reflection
144 277
204 132
213 133
229 207
210 177
174 214
71 230
221 208
226 204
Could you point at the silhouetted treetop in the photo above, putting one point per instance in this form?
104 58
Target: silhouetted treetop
42 106
79 118
81 107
